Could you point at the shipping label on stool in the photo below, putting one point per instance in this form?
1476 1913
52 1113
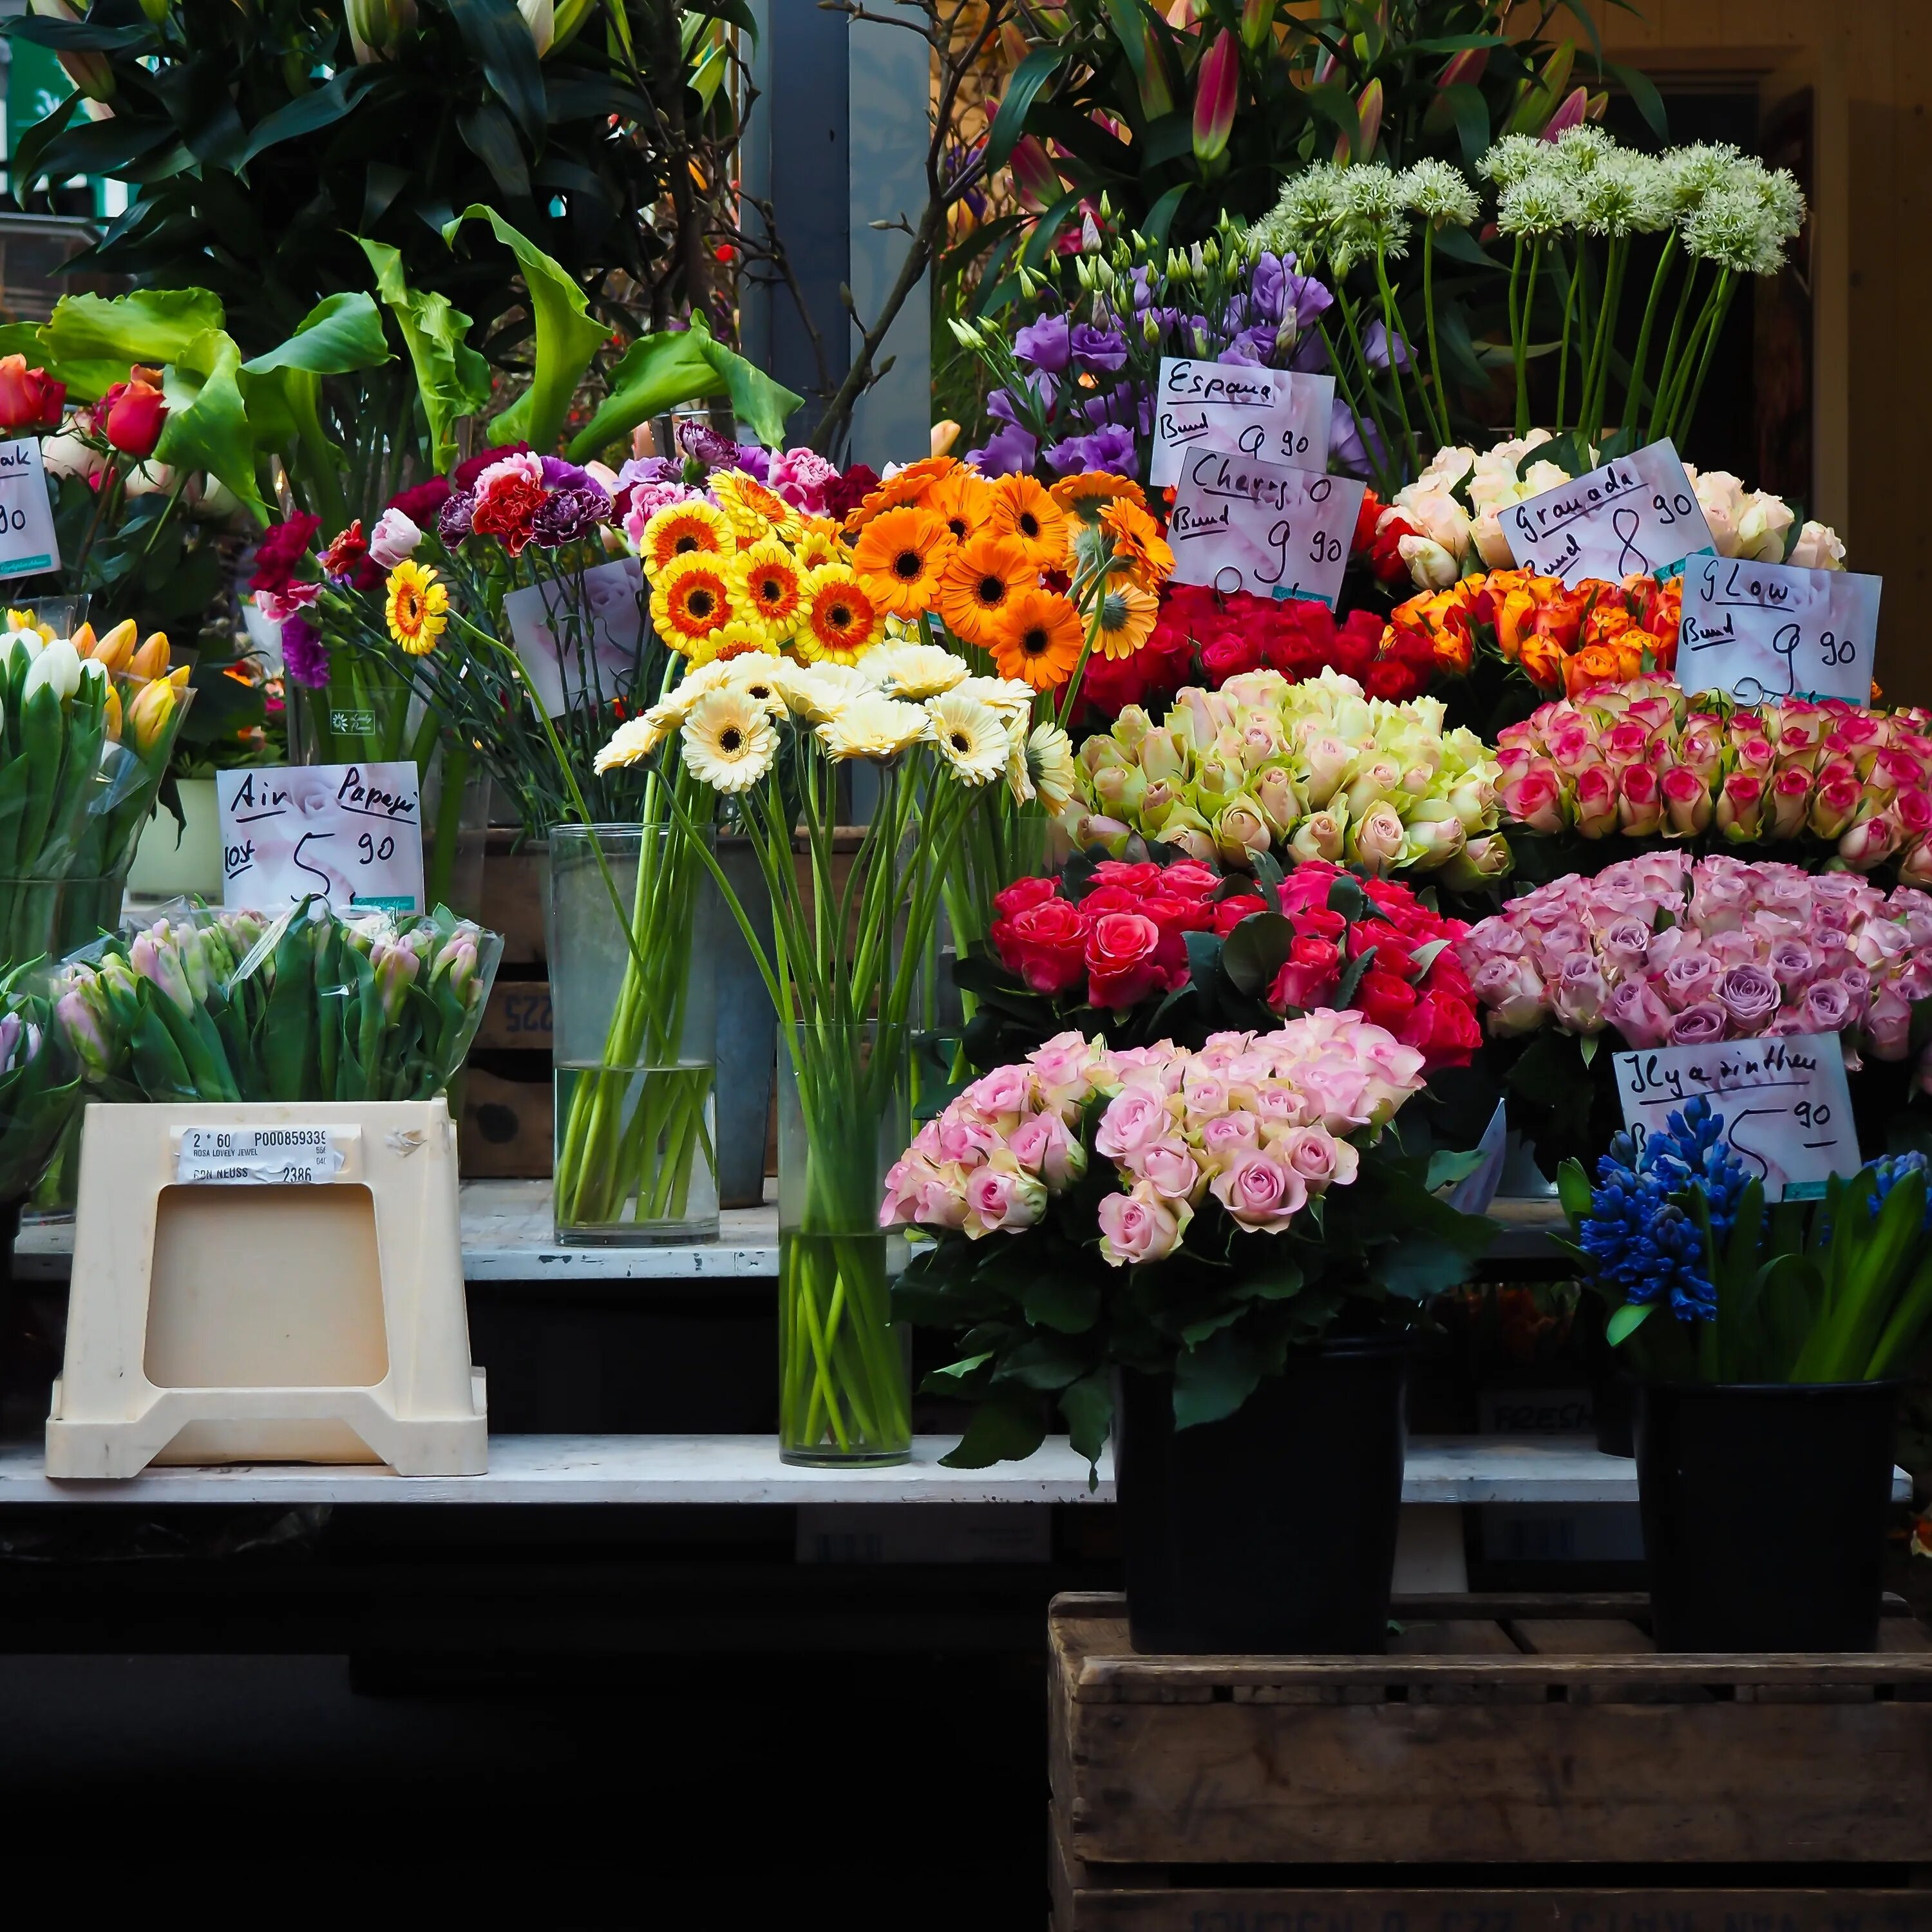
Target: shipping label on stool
1785 1107
258 1156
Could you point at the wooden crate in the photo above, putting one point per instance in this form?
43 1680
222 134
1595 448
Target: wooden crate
505 1130
1501 1740
516 1020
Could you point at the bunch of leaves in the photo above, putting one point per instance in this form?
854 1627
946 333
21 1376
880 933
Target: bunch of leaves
1043 1322
40 1081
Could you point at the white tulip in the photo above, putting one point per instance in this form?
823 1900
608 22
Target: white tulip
58 666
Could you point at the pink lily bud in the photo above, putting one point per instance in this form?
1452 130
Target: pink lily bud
1216 88
1036 181
1257 23
1464 69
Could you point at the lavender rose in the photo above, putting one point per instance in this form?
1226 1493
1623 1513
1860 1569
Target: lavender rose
1703 1024
1751 996
1827 1006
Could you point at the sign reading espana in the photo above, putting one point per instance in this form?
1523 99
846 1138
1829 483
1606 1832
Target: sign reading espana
1241 524
1762 631
1785 1107
1279 416
353 833
1637 515
28 544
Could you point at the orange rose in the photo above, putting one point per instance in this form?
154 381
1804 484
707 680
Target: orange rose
1594 663
1514 613
1543 659
1562 618
1547 590
1647 651
1606 623
1455 646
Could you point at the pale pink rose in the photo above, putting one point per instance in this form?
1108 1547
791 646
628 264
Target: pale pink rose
1321 1160
1204 1090
1229 1135
1135 1117
1578 995
1006 1089
1168 1168
1638 1015
1138 1228
1001 1199
1042 1146
1513 990
965 1139
1261 1192
1888 1027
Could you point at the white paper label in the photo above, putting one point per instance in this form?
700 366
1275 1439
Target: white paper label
352 832
1785 1107
1637 515
1763 630
573 658
28 545
1280 415
257 1156
1241 524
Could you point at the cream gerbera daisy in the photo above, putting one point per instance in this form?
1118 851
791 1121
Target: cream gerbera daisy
818 692
971 737
1055 776
1019 778
1012 697
760 675
635 739
729 743
873 727
914 671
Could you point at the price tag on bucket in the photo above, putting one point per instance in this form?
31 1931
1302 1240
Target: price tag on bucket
1762 630
257 1156
1785 1107
28 544
1636 514
353 833
1280 415
1241 524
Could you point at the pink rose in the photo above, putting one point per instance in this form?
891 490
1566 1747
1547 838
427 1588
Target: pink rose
1228 1135
1637 1014
1888 1027
1168 1168
964 1139
1135 1118
1261 1192
1596 801
1701 1025
1687 801
1042 1146
999 1199
1827 1006
1321 1160
1139 1228
1639 804
1534 798
1513 991
1006 1089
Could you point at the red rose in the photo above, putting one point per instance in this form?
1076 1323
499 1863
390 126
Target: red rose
28 399
1384 553
1318 922
1177 915
1189 879
1140 877
1228 656
1387 678
1308 885
1308 977
1044 945
1124 964
1385 999
1443 1028
1229 913
1366 519
1023 893
1104 899
1447 976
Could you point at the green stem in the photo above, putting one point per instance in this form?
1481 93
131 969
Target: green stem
1518 346
1633 395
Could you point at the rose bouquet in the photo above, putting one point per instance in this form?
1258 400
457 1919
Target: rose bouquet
1659 950
1195 1214
232 1005
1825 782
1312 770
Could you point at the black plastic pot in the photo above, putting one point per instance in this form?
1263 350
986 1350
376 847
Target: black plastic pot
1274 1529
1764 1514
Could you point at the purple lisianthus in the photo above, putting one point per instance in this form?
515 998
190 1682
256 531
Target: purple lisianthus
304 654
1101 350
1348 452
1255 345
452 520
1009 451
569 516
1375 348
1068 457
1045 344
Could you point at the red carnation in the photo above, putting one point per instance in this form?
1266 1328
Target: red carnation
420 503
280 550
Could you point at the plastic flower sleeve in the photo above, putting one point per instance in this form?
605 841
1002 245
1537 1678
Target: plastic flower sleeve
39 1080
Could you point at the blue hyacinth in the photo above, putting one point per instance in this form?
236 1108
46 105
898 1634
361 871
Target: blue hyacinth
1888 1172
1638 1237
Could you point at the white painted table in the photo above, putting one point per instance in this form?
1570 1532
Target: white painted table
738 1469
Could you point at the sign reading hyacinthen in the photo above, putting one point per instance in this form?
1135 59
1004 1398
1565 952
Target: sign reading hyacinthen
28 544
353 833
596 656
1767 630
1241 524
1637 515
1279 416
257 1156
1787 1110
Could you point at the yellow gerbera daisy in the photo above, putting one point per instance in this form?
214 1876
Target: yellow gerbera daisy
775 587
680 528
693 596
1127 617
819 543
841 622
417 609
743 637
753 511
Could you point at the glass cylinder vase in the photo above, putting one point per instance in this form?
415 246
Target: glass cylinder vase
632 925
845 1384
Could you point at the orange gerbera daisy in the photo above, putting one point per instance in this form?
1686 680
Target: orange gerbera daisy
1022 508
818 543
1138 546
980 579
908 485
964 501
1087 495
900 555
1038 637
1128 614
841 621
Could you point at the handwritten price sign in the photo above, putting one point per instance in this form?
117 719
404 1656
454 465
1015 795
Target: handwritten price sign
1637 513
1241 524
1786 1109
1278 415
352 832
28 545
1765 630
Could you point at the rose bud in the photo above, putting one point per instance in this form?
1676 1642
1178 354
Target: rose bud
1790 802
1686 802
1241 832
1108 835
1740 813
131 413
1639 801
29 399
1834 806
1868 844
1596 801
1480 862
1320 835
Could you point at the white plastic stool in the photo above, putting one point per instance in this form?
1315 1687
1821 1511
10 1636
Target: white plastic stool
268 1282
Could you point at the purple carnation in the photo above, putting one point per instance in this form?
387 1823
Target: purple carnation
452 520
569 516
703 444
304 654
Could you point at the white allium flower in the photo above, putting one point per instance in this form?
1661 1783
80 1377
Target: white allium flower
1690 172
1537 205
1310 206
1584 148
1512 158
1731 228
1437 192
1374 216
1625 193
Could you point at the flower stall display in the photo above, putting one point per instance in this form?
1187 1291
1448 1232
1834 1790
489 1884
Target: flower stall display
1207 1227
1074 387
40 1090
1769 1339
308 1006
1312 770
1661 950
1584 780
773 736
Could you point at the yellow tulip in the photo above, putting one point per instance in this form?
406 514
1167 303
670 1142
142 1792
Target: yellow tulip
110 715
83 640
148 716
117 648
151 659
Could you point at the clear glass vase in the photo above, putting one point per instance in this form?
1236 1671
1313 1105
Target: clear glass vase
634 1036
845 1384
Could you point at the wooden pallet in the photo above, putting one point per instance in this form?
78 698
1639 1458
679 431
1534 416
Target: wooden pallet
1500 1740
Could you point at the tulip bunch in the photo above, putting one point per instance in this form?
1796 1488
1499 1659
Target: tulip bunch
1850 785
1560 638
40 1085
1312 770
1665 951
1244 1195
233 1006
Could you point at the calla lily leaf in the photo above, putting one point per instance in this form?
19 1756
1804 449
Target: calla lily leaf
452 379
90 341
